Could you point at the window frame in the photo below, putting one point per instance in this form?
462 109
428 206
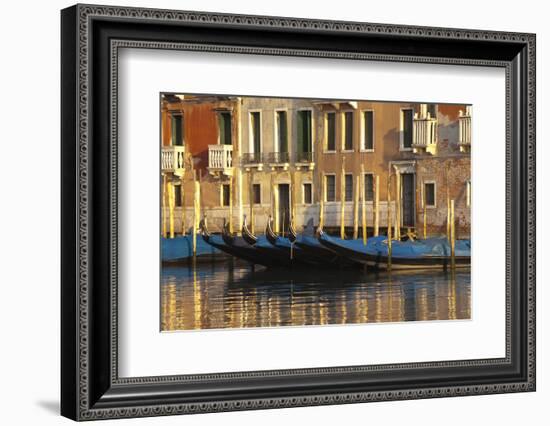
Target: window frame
325 145
219 115
179 114
353 183
343 123
311 111
325 195
253 201
304 193
251 149
276 135
364 185
424 198
222 189
363 139
402 146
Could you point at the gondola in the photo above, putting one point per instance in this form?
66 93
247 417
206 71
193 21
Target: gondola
269 245
180 249
289 245
431 253
235 246
308 244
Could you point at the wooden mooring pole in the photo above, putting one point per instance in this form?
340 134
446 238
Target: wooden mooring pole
171 205
356 208
376 204
363 206
453 234
164 231
182 200
343 200
322 203
389 222
231 204
424 210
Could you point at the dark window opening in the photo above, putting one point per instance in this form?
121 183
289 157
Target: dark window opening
407 129
256 193
331 131
369 130
349 188
330 187
224 125
308 194
348 131
282 131
369 187
177 195
429 194
256 132
304 132
226 195
177 129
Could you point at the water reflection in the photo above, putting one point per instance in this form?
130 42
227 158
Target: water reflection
234 296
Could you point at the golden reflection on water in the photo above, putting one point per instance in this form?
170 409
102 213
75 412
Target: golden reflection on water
230 296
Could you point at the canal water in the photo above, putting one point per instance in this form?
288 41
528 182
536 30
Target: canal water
232 295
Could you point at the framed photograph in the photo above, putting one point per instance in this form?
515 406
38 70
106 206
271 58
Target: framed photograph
263 212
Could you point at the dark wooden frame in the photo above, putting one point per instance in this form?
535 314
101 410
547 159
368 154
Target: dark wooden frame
91 388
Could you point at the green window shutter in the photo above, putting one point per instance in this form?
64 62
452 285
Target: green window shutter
177 129
407 128
282 131
369 130
331 131
300 131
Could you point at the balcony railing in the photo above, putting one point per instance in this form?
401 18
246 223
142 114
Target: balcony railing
305 159
173 159
277 157
220 159
465 129
252 158
424 131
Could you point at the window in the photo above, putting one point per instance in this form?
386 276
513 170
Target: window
349 187
369 187
331 131
429 194
256 132
308 193
348 131
432 110
224 128
177 129
407 128
368 130
304 132
330 184
226 195
468 193
256 193
282 132
177 195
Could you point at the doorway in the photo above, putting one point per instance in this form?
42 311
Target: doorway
284 207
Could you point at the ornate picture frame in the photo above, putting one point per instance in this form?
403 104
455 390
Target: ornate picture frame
91 38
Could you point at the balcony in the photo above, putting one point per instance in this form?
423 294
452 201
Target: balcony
424 132
220 159
305 160
173 159
277 159
465 130
251 160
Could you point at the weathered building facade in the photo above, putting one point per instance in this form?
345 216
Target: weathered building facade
289 158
